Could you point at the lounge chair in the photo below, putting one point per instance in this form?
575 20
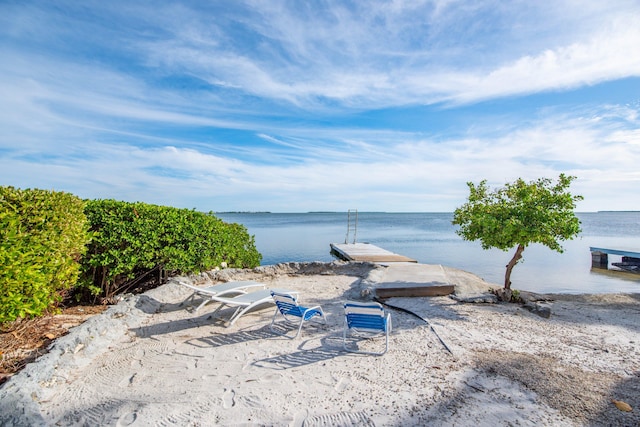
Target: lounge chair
244 302
288 307
227 289
366 319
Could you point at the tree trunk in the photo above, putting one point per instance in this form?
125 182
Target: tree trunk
516 257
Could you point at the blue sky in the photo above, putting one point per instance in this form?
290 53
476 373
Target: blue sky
290 106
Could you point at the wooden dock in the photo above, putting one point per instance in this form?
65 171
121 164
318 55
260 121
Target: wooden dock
366 252
630 259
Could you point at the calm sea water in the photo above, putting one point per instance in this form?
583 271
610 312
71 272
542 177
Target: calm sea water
430 238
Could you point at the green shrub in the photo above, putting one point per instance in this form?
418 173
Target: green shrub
42 236
132 240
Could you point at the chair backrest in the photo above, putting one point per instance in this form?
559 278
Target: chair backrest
286 303
368 316
193 288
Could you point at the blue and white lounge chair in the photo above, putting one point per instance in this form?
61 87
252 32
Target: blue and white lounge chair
366 319
227 289
245 303
288 307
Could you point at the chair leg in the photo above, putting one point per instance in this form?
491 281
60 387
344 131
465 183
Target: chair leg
188 299
371 353
324 317
204 302
388 331
237 314
273 321
344 336
386 343
284 334
214 312
299 327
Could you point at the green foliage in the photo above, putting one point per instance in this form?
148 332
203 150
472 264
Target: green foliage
519 214
42 236
132 239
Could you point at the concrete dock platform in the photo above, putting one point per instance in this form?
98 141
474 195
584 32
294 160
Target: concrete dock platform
405 277
414 280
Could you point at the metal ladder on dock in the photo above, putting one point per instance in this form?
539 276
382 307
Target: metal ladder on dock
352 225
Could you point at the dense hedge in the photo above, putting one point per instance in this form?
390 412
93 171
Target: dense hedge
42 236
53 242
133 239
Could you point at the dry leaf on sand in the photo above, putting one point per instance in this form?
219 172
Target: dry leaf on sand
623 406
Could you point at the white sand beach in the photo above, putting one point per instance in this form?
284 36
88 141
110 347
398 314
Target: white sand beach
150 361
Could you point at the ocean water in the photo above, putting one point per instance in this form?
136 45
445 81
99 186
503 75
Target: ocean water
430 238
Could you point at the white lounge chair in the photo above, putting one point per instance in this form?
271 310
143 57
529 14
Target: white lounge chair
287 305
366 319
227 289
245 302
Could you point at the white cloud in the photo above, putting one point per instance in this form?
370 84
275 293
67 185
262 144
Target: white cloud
284 116
604 57
400 172
408 53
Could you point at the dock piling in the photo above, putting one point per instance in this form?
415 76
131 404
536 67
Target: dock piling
630 259
599 260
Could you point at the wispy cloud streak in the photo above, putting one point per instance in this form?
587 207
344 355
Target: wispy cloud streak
283 105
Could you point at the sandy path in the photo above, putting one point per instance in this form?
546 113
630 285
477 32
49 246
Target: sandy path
151 362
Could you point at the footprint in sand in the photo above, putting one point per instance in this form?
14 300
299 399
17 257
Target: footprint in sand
228 399
127 419
269 378
127 381
342 384
251 401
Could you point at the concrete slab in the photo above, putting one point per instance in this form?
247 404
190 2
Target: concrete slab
413 280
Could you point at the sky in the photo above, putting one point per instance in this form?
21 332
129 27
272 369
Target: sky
292 106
